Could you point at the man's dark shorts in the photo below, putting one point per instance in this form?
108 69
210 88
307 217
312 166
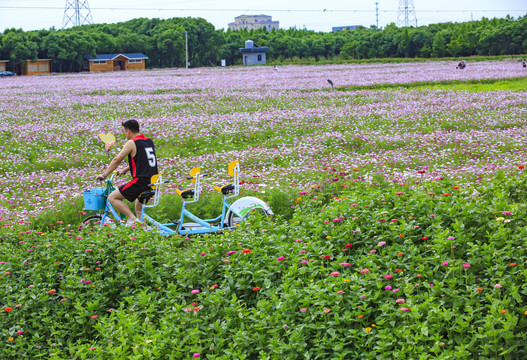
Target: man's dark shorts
134 188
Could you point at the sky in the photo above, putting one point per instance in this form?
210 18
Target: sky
311 15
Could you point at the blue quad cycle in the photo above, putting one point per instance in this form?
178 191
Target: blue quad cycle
232 214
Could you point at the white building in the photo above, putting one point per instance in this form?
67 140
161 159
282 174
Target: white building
254 22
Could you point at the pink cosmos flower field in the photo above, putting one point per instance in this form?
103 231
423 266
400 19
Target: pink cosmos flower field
288 128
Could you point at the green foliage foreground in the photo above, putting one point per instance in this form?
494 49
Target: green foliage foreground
328 283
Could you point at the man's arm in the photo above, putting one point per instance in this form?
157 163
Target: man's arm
123 171
127 149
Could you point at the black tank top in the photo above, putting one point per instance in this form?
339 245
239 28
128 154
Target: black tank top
144 163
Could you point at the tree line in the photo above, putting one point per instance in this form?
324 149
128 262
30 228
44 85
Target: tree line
163 41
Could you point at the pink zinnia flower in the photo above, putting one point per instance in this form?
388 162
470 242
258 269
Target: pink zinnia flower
194 291
381 243
340 292
497 286
388 276
404 309
364 271
387 287
303 310
399 301
335 273
445 264
280 258
373 251
326 310
196 355
466 266
345 264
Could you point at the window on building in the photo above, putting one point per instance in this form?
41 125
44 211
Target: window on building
99 62
32 68
133 61
259 57
43 67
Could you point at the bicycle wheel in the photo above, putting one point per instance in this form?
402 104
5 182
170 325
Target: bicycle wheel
92 220
235 220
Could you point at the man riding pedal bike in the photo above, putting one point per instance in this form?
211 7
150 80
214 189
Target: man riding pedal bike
142 164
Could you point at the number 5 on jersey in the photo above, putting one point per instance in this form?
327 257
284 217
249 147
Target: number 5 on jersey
151 156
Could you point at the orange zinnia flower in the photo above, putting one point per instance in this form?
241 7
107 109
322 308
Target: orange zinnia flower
419 275
503 311
479 289
446 194
512 264
360 316
52 291
256 288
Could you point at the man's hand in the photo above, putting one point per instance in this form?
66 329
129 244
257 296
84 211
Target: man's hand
100 178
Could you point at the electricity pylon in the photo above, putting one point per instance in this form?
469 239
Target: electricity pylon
406 14
76 13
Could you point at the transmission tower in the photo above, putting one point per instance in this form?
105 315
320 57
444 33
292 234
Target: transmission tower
406 14
377 13
76 13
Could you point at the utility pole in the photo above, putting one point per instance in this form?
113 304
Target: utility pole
406 14
377 13
77 13
186 49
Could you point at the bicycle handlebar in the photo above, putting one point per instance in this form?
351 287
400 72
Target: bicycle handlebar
193 177
164 182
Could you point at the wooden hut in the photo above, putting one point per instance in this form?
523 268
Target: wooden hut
41 66
117 62
3 65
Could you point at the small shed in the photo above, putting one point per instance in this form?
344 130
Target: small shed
41 66
117 62
254 55
3 65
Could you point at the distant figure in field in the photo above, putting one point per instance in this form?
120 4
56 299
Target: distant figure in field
275 68
524 63
462 64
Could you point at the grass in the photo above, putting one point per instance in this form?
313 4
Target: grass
512 84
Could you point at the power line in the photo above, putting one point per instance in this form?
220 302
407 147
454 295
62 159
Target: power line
259 10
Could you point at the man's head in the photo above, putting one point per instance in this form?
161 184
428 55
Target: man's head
130 128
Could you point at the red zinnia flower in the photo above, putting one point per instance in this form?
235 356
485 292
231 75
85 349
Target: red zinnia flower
52 291
521 167
503 311
94 316
327 256
246 251
195 309
256 288
446 194
8 309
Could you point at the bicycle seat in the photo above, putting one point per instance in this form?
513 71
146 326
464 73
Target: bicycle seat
225 189
146 195
185 193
